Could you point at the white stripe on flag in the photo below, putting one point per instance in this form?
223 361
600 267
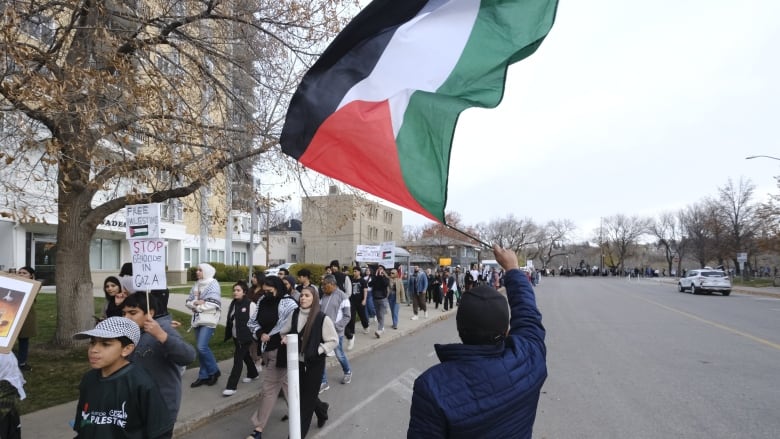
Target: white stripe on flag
420 56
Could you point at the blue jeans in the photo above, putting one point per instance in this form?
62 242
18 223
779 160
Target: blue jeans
208 364
342 359
370 309
394 308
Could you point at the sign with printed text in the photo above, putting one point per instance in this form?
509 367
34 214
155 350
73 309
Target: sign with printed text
382 254
143 221
148 257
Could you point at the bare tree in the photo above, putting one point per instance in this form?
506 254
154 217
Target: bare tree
622 233
552 239
768 224
696 222
668 233
135 101
510 232
738 215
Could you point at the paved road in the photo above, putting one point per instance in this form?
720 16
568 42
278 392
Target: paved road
640 360
626 360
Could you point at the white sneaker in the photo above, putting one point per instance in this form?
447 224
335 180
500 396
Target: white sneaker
324 387
426 314
249 380
378 333
351 343
365 330
414 317
228 392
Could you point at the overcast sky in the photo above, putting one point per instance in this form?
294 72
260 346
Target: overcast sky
627 107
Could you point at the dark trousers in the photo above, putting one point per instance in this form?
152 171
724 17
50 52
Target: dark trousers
448 300
418 302
310 377
11 426
240 357
356 308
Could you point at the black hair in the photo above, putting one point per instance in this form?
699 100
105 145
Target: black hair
138 300
28 269
114 280
243 285
276 283
126 270
304 272
125 341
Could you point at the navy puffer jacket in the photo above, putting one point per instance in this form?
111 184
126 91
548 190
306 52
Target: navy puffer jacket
486 391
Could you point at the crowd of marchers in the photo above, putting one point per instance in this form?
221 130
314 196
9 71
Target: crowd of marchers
137 357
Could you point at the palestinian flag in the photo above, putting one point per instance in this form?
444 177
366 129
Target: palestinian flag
378 109
137 231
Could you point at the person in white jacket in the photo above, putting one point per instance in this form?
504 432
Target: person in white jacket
205 301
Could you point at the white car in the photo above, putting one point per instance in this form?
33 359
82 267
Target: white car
275 270
704 280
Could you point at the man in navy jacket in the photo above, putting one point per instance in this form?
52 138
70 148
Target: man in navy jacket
488 386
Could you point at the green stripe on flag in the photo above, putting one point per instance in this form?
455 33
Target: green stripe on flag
504 32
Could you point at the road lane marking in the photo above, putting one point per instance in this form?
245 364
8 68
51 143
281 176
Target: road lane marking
715 324
403 385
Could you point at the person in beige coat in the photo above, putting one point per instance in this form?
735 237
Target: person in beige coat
396 295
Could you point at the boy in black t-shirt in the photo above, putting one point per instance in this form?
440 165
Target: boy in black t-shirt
117 398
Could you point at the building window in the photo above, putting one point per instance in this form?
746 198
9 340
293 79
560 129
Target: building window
191 257
104 254
293 239
293 258
239 258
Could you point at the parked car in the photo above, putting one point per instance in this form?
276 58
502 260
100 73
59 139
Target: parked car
275 270
705 280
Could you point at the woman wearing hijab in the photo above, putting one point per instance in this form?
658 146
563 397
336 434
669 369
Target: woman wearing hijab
205 301
318 336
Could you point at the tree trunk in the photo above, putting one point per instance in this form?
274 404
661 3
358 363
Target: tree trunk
75 301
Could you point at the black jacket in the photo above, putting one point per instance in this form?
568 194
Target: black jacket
238 314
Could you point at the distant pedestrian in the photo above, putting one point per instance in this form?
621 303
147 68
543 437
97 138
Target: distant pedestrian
395 296
420 282
357 308
379 292
335 304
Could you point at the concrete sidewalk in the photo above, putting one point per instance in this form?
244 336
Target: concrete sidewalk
201 403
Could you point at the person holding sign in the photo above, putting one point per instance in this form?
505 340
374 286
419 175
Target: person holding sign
205 302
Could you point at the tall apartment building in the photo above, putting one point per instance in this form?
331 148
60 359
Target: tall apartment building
335 224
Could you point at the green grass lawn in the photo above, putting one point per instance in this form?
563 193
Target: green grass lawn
753 282
56 373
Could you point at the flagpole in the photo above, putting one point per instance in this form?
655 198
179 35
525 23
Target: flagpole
485 244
